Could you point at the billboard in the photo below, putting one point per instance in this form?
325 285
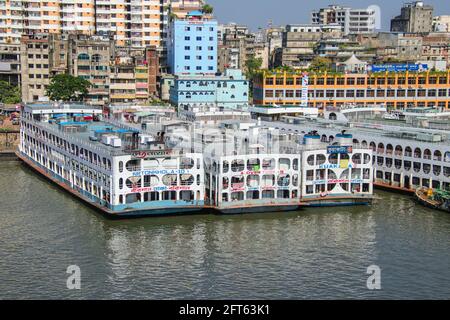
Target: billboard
397 67
305 83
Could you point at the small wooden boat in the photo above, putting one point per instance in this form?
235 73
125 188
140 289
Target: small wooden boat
434 199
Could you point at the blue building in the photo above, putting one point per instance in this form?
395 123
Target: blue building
228 91
192 45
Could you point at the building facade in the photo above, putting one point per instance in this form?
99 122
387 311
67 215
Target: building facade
395 90
10 63
352 21
415 17
192 45
229 91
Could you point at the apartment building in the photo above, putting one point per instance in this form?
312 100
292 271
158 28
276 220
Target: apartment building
415 17
192 46
35 67
352 21
396 90
89 58
132 22
10 63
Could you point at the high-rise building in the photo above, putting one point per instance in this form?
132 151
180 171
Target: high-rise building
352 21
192 44
131 22
415 17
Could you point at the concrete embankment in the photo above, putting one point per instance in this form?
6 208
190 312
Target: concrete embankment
8 156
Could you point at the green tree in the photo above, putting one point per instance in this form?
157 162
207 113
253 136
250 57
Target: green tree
252 65
207 9
67 88
9 94
320 64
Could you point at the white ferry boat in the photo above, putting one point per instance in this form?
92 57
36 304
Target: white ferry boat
176 168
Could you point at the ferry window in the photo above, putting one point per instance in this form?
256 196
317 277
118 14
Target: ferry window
427 154
187 195
284 180
133 197
320 159
150 180
333 158
253 165
225 196
270 194
186 179
356 159
170 179
120 199
447 171
268 180
252 195
133 165
169 195
344 186
198 164
120 166
284 164
133 182
253 181
283 194
237 165
295 180
120 183
225 183
268 164
437 156
417 153
295 164
309 189
151 196
237 196
417 166
198 179
226 166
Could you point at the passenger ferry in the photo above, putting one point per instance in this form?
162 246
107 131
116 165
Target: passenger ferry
406 156
177 167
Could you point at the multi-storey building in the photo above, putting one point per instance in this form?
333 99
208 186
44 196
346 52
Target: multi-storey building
36 66
441 23
352 21
298 43
10 63
132 22
89 58
192 46
229 91
396 90
414 17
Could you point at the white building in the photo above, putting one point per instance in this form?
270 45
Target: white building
353 21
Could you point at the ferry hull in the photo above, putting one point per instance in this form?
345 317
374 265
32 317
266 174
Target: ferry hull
137 213
258 209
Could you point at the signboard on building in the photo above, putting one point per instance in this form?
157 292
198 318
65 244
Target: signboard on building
397 67
151 153
339 149
305 83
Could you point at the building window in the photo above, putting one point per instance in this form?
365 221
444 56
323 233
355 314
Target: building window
187 38
199 38
199 68
187 48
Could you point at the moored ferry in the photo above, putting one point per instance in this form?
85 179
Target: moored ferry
140 170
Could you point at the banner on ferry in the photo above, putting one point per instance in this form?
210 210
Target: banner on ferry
397 67
152 153
339 149
305 84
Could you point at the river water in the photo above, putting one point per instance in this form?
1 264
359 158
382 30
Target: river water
309 254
